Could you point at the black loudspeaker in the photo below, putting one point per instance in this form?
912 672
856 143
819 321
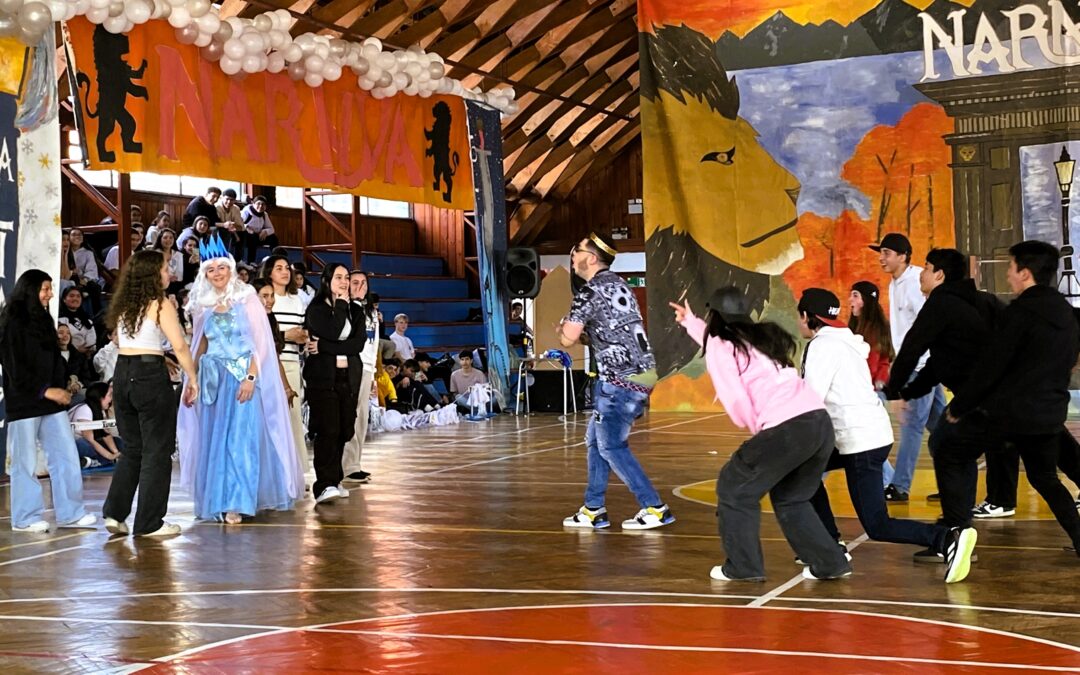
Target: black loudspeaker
546 393
522 273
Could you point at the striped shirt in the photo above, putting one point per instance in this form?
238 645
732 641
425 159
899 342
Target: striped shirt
289 312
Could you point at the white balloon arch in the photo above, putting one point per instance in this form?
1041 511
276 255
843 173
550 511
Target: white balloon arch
261 43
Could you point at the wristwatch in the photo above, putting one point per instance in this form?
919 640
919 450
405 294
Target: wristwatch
250 378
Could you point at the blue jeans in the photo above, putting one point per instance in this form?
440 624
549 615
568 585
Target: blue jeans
863 473
27 502
87 450
614 411
922 413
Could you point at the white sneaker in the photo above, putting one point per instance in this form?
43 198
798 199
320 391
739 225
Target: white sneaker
717 574
166 530
588 518
39 527
650 517
988 510
328 495
807 574
115 526
342 492
87 522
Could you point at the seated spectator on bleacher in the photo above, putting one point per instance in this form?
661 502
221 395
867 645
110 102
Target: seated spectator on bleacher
384 383
112 257
202 206
161 221
87 268
105 359
303 287
243 273
463 379
166 243
230 223
258 230
411 391
200 231
69 276
97 447
402 344
77 370
189 251
136 216
83 331
436 380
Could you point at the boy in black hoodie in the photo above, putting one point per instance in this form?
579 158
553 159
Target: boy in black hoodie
1021 388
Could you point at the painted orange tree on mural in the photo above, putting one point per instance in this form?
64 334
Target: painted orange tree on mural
904 172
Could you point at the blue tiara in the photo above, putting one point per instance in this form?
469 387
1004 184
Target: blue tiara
212 249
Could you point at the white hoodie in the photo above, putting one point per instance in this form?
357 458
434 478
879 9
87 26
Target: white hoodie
835 367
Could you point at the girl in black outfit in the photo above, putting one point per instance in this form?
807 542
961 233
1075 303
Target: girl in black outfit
332 375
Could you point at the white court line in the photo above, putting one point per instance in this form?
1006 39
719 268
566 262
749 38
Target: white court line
330 628
502 433
40 555
539 591
561 447
796 580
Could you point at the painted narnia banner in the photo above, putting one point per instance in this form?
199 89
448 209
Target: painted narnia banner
782 137
149 103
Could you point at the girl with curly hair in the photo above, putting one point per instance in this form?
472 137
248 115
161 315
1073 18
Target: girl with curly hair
143 397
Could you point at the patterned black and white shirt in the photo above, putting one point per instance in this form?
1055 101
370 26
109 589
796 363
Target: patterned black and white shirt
609 311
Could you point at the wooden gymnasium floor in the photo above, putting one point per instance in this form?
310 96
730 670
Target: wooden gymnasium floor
455 561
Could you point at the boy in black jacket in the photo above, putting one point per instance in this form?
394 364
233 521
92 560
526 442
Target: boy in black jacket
1021 389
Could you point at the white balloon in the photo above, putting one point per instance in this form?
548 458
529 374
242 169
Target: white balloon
293 53
513 109
224 32
313 80
209 23
197 8
236 24
385 60
263 23
275 63
252 63
115 24
385 80
401 58
56 8
411 90
390 91
96 4
314 64
365 83
252 42
338 47
509 93
296 71
229 65
234 49
369 52
285 16
378 94
322 49
212 52
116 8
436 70
373 42
179 17
278 39
162 10
413 69
361 66
401 80
425 93
177 3
305 41
331 72
203 40
97 15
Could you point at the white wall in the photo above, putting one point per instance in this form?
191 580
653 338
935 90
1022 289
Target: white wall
624 262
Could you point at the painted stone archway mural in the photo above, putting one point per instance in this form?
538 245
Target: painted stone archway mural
781 137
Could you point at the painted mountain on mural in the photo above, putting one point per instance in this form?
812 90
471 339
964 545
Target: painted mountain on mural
893 26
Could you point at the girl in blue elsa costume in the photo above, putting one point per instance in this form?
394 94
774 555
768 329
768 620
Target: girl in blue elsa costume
236 447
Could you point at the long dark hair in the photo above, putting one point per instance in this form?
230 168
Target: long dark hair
78 314
872 325
24 311
324 293
138 288
740 330
268 266
94 393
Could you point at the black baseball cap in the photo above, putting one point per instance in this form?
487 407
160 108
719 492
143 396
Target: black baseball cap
823 304
894 241
867 289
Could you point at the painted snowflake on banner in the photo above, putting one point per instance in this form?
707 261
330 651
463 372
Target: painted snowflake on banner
52 191
29 217
27 146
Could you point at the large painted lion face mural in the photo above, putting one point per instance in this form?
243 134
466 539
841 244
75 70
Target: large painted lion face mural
719 210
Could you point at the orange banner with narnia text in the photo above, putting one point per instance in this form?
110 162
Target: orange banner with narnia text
149 103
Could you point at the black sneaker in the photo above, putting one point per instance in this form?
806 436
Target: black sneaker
958 548
895 495
358 477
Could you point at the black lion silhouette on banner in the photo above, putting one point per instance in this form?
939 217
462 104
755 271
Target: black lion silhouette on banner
439 137
115 82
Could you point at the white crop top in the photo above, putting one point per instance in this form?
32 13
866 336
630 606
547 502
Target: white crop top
149 336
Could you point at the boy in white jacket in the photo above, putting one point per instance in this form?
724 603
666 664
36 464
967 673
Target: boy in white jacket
834 365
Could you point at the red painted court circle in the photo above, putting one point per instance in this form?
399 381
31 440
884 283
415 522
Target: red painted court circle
633 639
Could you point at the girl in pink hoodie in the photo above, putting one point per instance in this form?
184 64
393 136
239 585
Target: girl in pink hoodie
751 366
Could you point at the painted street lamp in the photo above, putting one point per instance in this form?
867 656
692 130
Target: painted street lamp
1068 285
